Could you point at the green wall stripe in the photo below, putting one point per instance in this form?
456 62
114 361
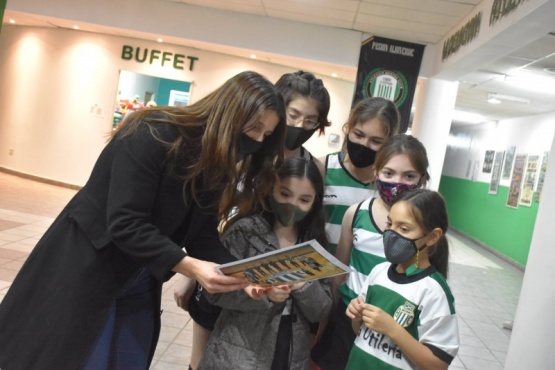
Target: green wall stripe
2 8
486 217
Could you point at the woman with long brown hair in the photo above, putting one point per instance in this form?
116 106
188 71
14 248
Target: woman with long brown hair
88 296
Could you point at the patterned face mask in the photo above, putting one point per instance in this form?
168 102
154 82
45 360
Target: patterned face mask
397 248
390 191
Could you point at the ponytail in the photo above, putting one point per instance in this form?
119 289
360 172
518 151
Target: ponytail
439 255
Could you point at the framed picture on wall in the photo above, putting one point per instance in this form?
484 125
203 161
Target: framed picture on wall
496 172
529 183
541 177
516 180
488 161
509 156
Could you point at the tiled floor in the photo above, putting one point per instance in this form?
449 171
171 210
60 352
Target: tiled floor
485 287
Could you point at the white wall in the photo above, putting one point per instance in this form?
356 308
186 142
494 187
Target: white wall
338 46
531 345
468 144
132 84
51 77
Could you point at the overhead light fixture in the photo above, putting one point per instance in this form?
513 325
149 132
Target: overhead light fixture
334 74
75 27
160 40
12 21
253 56
494 98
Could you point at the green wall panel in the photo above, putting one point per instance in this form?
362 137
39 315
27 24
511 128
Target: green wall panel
486 217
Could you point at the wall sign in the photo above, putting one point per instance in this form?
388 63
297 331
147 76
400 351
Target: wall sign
516 180
501 8
529 181
153 56
389 69
496 172
462 36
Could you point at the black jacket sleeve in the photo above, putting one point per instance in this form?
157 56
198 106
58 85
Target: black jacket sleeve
137 168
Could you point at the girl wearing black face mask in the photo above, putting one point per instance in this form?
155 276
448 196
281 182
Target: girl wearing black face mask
401 164
307 103
406 303
272 332
348 174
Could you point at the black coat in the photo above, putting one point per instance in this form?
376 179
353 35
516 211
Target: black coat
129 215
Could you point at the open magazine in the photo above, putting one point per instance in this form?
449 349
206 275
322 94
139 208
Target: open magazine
301 262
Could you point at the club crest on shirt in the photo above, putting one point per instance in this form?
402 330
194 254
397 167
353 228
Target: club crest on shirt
404 315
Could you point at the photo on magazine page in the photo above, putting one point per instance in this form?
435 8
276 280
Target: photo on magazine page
301 262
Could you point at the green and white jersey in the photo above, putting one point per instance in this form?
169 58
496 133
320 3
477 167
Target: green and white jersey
421 303
367 251
341 190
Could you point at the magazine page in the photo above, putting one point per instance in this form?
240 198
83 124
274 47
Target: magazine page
301 262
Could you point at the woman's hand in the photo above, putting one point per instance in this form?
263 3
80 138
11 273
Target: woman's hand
378 320
207 275
279 293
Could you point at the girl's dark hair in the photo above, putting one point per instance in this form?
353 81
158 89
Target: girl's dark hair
313 225
409 146
429 210
375 107
205 155
302 84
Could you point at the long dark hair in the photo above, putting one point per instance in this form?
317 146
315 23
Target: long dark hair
409 146
205 155
429 210
370 108
303 84
312 226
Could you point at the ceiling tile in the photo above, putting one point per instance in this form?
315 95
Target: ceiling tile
402 25
343 5
449 21
434 6
292 9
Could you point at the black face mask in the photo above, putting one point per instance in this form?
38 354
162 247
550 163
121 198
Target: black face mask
361 156
247 146
296 136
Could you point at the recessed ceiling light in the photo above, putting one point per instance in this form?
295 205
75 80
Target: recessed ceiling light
75 27
334 74
160 40
12 20
253 56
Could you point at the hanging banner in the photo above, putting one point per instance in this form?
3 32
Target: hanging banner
389 69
